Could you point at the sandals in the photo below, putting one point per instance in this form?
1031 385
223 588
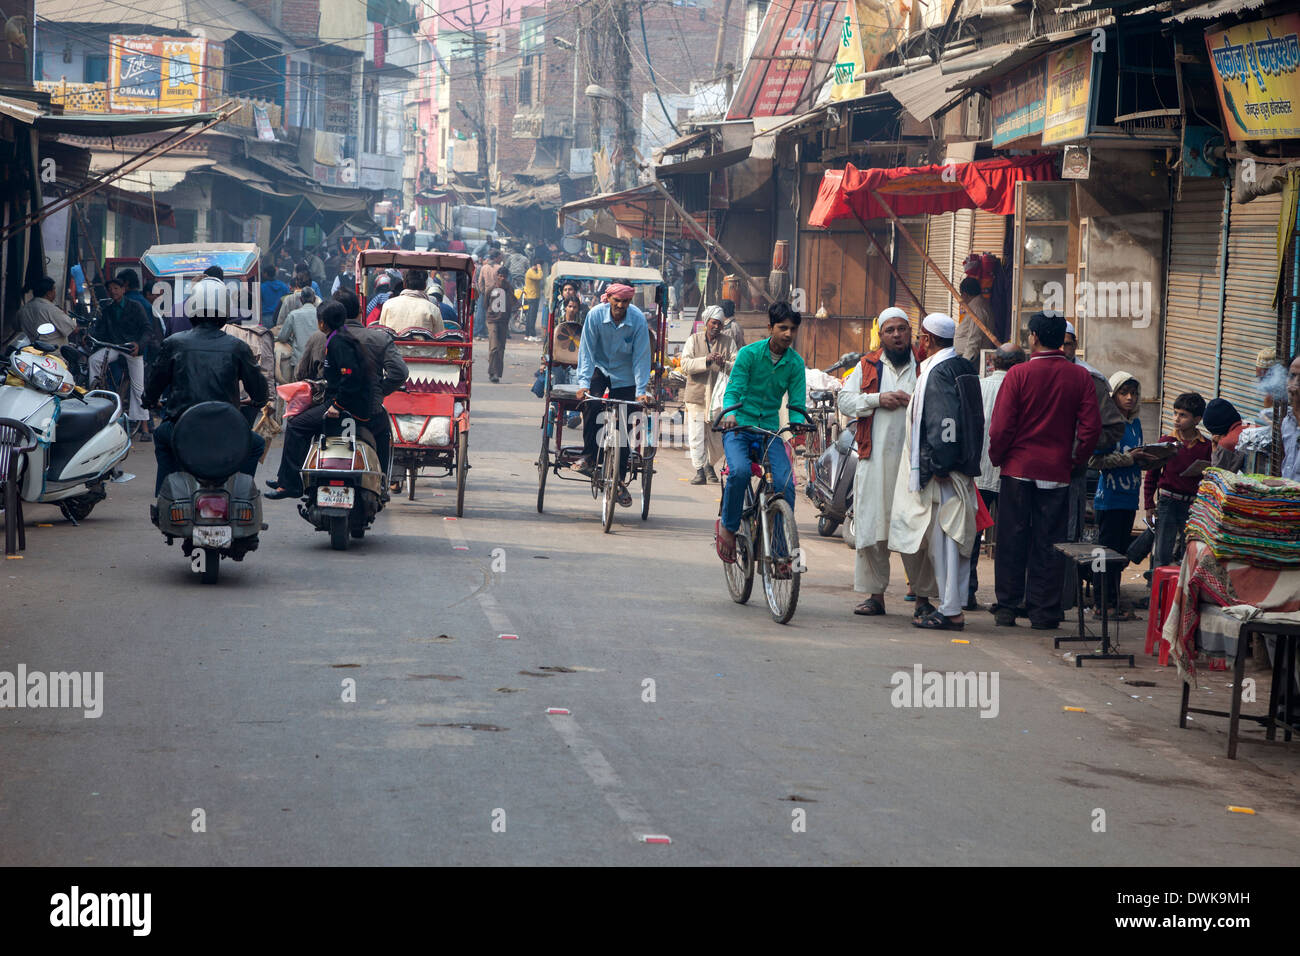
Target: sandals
937 622
870 608
727 552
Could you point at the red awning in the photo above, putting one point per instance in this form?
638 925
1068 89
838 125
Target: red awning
989 184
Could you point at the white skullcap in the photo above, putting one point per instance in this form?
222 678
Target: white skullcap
1069 329
893 312
939 325
714 312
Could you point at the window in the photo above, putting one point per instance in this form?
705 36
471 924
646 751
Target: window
526 83
372 120
96 69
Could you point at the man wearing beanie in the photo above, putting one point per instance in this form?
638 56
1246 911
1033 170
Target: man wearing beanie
935 501
1223 422
1046 423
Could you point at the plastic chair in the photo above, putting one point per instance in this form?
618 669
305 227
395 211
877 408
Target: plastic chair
15 439
1164 586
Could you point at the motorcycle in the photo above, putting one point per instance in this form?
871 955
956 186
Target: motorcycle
80 438
830 482
342 482
211 507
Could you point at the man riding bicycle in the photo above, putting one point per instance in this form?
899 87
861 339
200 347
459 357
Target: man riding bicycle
614 353
764 373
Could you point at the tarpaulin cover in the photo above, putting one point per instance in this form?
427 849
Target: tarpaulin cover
989 184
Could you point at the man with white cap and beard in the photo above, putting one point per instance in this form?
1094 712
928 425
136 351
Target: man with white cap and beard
877 394
935 501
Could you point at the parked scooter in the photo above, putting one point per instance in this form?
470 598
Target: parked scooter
830 486
81 438
211 507
342 483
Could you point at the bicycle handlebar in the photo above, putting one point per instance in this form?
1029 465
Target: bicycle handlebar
657 406
791 426
125 349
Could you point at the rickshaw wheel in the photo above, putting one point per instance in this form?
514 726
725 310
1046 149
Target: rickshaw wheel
543 466
462 469
410 482
647 473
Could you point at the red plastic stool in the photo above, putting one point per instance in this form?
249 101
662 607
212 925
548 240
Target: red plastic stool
1164 585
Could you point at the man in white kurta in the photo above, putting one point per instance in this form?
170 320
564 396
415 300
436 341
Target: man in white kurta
936 511
890 378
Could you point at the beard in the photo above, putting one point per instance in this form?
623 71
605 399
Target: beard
898 357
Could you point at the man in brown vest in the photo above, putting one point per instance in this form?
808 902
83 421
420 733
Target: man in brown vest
877 394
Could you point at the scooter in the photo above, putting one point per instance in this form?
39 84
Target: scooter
80 438
211 507
342 483
830 484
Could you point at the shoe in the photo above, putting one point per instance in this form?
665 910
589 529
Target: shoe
277 493
1005 617
972 604
910 596
272 483
699 478
584 467
624 497
711 475
938 622
1046 625
494 379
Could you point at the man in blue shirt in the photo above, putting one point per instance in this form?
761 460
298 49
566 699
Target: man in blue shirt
614 354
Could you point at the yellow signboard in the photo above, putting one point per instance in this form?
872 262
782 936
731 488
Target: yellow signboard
1067 86
161 74
1257 72
869 30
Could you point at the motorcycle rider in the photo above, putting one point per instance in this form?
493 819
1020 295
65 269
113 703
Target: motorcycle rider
203 364
123 323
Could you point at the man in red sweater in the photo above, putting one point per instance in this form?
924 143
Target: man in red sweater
1045 424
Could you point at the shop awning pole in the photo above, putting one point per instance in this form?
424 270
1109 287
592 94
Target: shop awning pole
141 159
930 262
710 244
889 262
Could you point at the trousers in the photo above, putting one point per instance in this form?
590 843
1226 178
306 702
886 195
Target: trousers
100 358
595 417
871 569
741 448
706 444
1026 568
497 325
991 503
951 570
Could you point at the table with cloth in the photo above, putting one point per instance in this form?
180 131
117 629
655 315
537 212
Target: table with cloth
1243 556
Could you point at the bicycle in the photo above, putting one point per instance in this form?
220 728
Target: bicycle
113 377
604 479
768 537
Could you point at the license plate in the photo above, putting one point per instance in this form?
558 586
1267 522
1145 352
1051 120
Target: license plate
334 497
212 537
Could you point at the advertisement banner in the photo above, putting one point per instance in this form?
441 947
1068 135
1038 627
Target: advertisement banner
1257 72
1068 86
868 31
792 57
1018 103
159 74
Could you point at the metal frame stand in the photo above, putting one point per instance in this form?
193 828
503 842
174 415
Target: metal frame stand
1073 552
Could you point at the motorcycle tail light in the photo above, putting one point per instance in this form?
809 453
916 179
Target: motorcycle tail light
336 484
212 505
177 514
244 513
344 463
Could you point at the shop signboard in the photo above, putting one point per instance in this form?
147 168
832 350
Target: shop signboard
1067 90
161 74
1257 73
792 57
1018 104
868 31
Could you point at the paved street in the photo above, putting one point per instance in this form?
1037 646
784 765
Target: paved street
228 699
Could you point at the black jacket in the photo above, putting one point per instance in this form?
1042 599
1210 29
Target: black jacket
348 380
204 364
952 426
390 368
122 323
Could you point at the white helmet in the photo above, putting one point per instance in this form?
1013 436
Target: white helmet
209 299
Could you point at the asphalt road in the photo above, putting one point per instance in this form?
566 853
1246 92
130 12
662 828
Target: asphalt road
763 744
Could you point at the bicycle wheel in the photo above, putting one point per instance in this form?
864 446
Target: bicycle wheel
609 472
647 473
543 466
781 561
740 576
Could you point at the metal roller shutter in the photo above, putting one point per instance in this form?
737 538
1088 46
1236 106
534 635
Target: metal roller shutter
989 233
939 244
1192 296
912 268
1249 318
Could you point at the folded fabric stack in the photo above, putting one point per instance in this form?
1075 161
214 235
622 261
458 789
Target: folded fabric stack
1250 518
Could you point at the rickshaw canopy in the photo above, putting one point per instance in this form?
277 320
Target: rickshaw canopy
636 275
236 259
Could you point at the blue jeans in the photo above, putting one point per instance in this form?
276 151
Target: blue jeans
167 463
742 447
